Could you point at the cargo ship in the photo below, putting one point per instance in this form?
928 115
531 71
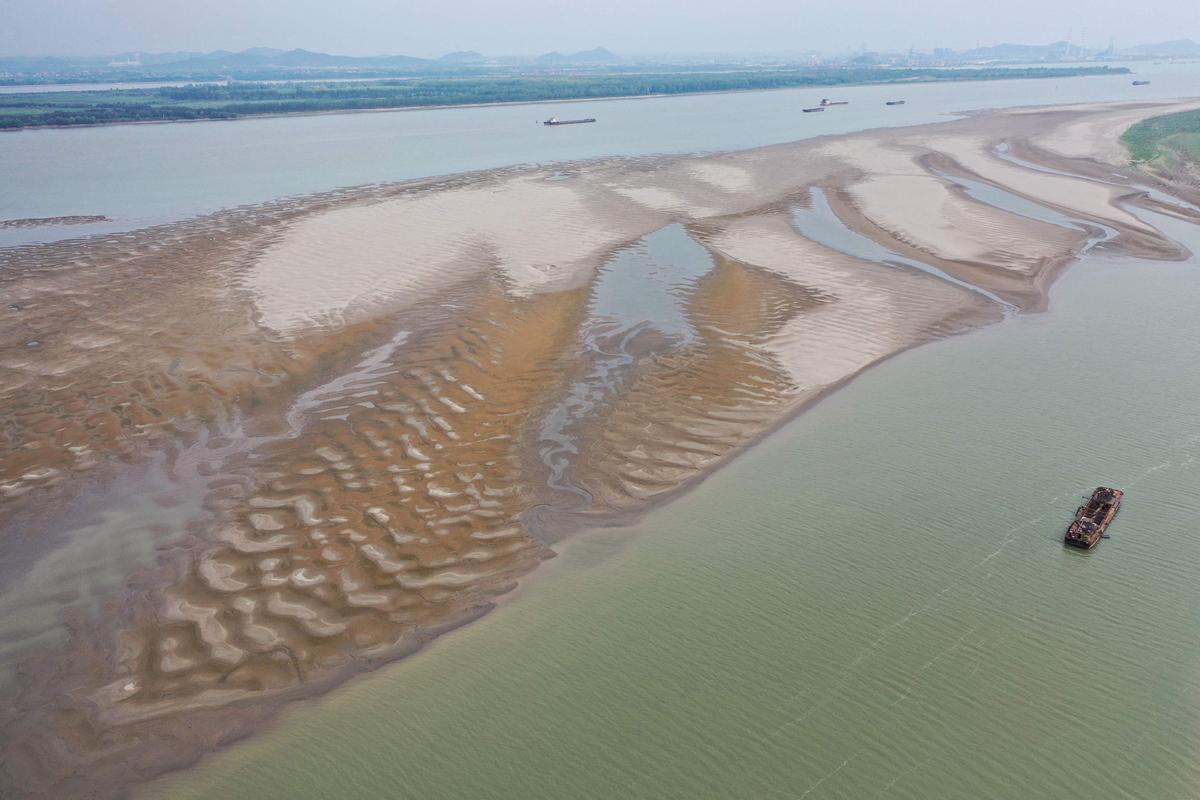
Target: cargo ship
1093 517
825 101
557 121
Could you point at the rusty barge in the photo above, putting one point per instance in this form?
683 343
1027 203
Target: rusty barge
1093 517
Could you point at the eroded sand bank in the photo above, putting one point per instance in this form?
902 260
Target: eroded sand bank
394 399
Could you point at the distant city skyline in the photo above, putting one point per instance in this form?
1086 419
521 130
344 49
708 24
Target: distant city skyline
429 28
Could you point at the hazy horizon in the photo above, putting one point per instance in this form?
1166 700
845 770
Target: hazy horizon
429 29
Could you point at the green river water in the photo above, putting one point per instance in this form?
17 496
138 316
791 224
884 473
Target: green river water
875 602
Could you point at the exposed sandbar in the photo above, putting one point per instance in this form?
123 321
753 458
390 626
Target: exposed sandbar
37 222
398 395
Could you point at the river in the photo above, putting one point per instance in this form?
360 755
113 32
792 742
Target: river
139 175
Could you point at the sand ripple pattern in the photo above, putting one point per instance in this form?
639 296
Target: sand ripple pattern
94 357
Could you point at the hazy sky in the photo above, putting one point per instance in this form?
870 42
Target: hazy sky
432 27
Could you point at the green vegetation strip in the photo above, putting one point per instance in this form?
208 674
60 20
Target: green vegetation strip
1177 134
229 101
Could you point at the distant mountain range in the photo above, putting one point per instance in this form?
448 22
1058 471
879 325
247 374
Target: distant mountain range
1065 51
464 57
260 59
1056 51
258 63
1177 48
596 55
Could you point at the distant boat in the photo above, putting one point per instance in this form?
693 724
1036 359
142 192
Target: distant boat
825 101
894 103
1141 83
814 108
557 121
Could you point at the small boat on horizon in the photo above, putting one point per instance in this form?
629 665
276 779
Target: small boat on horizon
814 108
825 101
1141 83
1093 517
894 103
557 121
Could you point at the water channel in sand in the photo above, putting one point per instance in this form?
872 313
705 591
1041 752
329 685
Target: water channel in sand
640 292
875 602
819 223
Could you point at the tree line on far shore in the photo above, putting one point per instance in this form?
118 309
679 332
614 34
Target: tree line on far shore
228 101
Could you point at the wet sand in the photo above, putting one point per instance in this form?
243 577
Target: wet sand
37 222
393 400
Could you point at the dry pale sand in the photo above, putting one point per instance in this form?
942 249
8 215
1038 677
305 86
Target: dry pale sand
913 206
350 263
345 264
867 313
390 400
1086 199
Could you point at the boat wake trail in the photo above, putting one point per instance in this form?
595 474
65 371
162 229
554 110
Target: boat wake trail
1186 448
1011 535
816 785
